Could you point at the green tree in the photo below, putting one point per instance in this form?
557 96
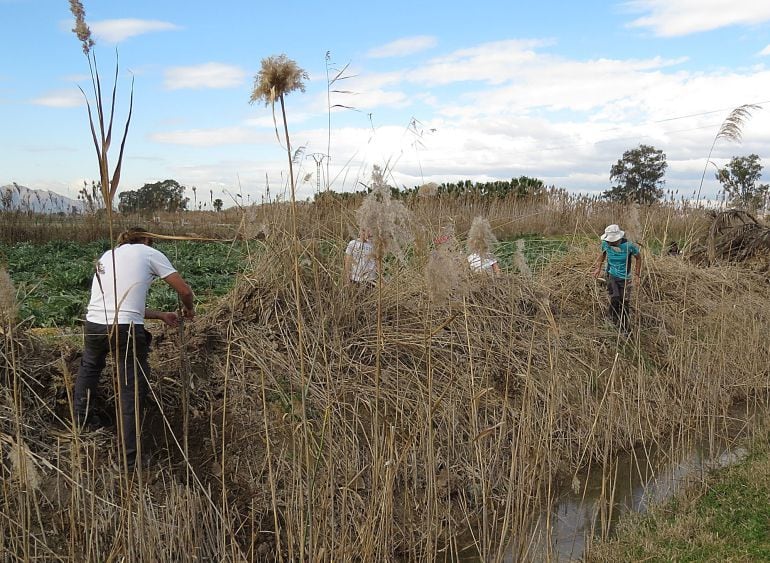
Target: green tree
525 186
218 203
167 195
128 202
740 182
638 176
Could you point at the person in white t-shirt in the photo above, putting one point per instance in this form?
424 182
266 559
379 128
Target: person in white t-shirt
486 264
137 265
360 266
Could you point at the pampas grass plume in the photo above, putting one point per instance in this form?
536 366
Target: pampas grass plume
481 239
447 268
387 220
428 190
81 28
278 76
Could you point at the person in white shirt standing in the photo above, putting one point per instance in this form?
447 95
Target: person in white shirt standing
137 265
360 267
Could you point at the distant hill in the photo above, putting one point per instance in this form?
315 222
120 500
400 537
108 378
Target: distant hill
14 197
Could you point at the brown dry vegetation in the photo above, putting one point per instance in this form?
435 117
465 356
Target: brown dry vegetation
397 435
557 213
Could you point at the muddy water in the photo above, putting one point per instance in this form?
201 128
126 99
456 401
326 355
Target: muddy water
635 482
591 505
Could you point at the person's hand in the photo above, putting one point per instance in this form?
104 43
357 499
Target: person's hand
597 272
636 279
171 319
188 313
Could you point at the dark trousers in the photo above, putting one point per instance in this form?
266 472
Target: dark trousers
133 375
620 302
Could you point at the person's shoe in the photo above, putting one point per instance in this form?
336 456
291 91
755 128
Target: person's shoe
92 423
145 463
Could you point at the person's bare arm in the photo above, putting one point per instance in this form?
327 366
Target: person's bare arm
170 318
186 294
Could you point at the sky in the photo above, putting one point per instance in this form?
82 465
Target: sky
427 91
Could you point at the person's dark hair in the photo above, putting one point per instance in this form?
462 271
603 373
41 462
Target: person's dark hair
133 235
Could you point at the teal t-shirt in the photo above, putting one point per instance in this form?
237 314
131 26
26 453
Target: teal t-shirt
619 258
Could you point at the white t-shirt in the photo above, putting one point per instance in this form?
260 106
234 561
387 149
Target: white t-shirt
363 267
482 264
137 265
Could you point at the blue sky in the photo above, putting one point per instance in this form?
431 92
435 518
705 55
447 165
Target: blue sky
440 91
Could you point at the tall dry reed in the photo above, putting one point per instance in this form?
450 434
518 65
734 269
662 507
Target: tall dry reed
486 403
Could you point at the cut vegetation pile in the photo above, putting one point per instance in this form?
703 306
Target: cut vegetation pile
406 421
734 236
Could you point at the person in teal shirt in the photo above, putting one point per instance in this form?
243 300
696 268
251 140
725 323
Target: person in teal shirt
619 253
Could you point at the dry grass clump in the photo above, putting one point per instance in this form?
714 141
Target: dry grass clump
485 400
412 418
734 236
9 308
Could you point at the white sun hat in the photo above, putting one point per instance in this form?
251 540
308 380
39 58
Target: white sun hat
612 233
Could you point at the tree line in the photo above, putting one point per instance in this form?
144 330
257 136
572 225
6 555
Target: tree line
166 195
638 177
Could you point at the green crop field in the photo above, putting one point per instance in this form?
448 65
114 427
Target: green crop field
53 280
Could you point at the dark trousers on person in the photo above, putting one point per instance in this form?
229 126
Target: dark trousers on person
620 302
130 356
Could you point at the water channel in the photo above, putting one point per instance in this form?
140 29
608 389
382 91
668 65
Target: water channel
592 504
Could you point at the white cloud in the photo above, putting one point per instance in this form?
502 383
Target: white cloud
265 118
208 137
670 18
60 99
499 109
492 62
208 75
115 31
550 117
765 52
403 47
523 78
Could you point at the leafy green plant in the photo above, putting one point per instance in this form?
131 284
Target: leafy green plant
53 280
